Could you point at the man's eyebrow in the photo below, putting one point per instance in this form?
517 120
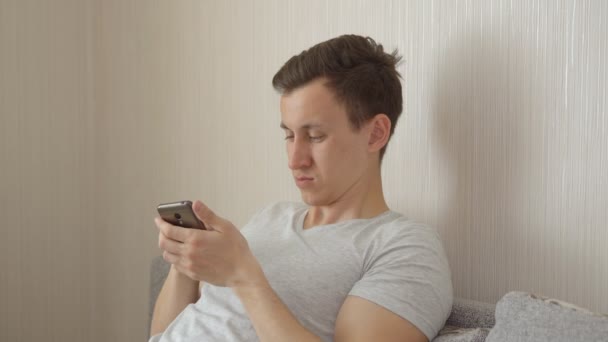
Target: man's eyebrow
305 127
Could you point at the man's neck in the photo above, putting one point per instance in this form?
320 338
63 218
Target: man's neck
368 202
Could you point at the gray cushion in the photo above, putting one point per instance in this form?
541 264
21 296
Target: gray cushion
456 334
468 313
469 321
523 316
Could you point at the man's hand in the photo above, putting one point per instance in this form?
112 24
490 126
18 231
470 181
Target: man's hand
219 256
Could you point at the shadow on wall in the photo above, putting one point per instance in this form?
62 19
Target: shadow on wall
484 98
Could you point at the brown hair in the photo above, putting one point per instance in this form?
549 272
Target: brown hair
362 76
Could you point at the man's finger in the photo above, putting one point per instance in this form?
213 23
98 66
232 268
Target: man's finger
170 257
169 245
209 218
172 232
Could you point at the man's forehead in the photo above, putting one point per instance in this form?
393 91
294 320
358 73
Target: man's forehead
312 106
312 96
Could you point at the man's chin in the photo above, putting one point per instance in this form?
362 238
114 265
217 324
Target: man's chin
313 200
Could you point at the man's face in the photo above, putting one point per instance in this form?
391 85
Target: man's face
328 159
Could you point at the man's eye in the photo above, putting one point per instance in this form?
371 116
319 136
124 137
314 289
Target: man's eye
289 137
316 138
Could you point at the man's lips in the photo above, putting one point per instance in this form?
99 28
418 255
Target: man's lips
303 181
303 178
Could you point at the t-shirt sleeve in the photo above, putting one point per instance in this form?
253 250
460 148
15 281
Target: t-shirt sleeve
408 274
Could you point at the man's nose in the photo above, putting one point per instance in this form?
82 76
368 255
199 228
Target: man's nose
299 155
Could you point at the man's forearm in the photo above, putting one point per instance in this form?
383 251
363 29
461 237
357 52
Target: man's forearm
271 318
177 292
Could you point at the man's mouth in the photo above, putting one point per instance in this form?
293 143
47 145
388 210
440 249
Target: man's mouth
303 181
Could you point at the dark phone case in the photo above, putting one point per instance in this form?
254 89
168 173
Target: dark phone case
180 214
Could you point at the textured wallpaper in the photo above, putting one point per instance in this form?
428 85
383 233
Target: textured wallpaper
45 169
502 145
111 107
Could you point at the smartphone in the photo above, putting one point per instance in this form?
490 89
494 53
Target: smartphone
180 214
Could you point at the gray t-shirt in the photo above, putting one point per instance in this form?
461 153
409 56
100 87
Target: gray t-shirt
388 260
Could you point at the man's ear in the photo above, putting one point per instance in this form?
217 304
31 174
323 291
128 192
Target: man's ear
380 132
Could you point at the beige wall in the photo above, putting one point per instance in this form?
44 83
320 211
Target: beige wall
46 197
110 107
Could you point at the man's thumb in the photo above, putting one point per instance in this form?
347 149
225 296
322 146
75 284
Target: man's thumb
203 213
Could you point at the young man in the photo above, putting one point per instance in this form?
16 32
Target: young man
339 267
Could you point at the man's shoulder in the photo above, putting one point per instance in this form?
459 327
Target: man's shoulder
401 226
402 235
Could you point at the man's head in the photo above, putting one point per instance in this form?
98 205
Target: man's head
339 105
361 76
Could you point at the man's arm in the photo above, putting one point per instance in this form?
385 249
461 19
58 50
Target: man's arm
177 292
358 319
270 317
362 320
